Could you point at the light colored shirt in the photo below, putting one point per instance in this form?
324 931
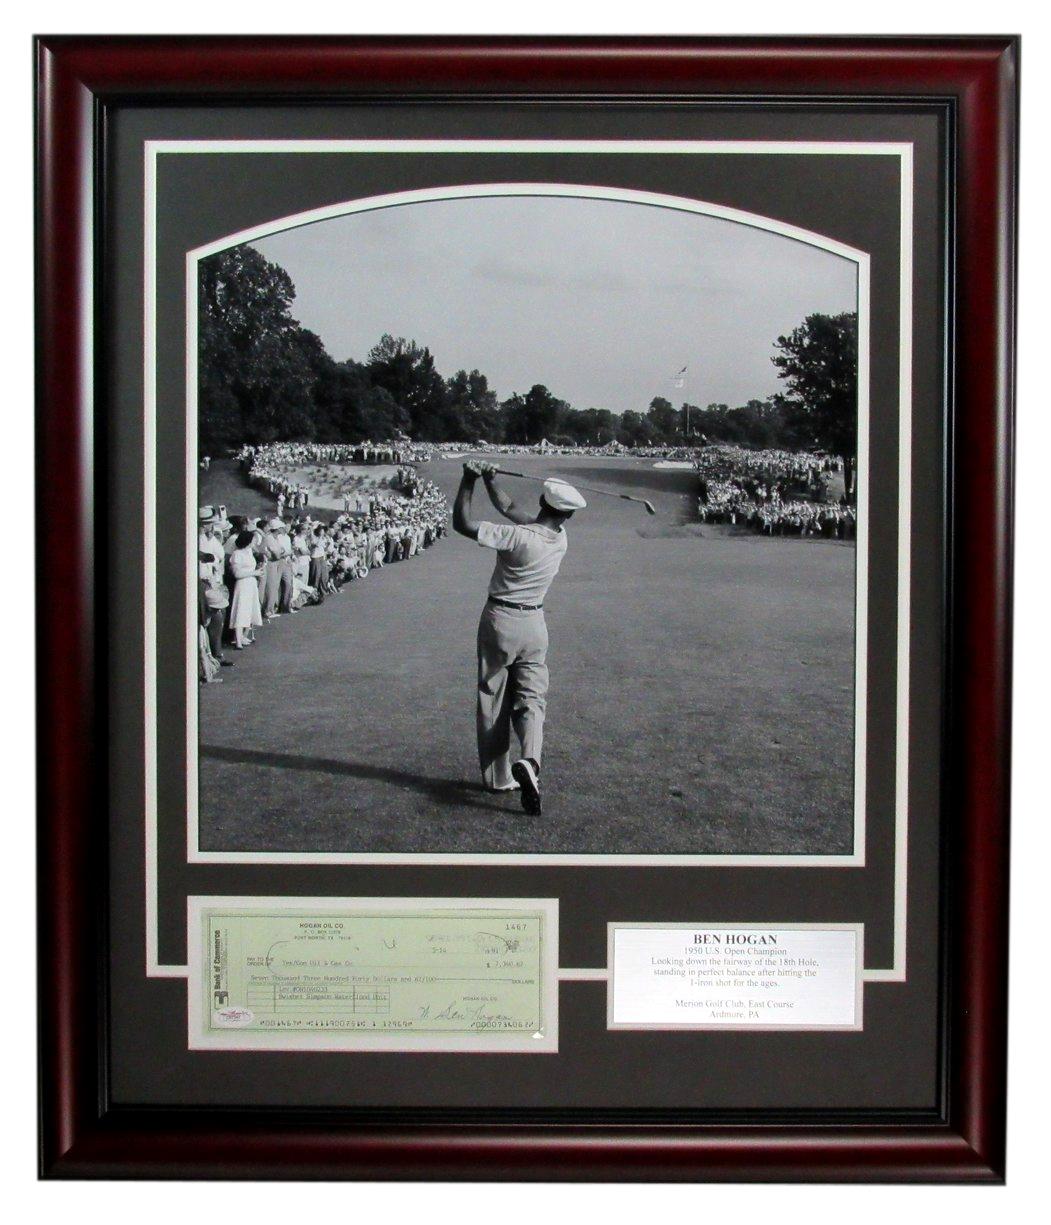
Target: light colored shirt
243 563
528 558
210 544
211 571
278 546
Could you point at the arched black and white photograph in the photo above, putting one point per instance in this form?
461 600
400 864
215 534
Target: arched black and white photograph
528 523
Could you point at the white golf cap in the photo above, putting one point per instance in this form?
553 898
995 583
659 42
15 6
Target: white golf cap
560 496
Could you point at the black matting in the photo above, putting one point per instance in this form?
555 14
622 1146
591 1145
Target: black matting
893 1063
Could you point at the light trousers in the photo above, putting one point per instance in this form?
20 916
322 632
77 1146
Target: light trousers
279 587
512 688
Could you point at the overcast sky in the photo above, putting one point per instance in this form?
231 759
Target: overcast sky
602 301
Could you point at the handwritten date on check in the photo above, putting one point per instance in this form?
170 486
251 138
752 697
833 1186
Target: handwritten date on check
324 979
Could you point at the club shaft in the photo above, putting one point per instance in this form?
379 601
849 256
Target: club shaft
606 493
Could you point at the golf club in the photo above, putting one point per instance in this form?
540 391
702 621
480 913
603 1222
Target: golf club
524 476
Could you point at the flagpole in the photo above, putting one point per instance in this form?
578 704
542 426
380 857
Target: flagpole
679 382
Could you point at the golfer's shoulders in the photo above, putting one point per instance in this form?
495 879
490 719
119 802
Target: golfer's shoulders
509 536
552 538
498 535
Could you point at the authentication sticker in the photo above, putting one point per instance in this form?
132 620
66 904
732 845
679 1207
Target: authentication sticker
233 1018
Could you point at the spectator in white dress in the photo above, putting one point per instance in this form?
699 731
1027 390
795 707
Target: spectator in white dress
245 612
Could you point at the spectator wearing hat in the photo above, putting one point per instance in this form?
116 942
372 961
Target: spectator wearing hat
301 549
211 565
512 632
319 568
208 665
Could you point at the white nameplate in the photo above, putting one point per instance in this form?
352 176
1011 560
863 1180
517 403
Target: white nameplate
686 976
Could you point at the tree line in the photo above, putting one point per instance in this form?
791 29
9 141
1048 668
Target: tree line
263 377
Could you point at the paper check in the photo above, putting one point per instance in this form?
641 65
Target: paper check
356 976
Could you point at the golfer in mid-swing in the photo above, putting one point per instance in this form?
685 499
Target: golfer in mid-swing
512 633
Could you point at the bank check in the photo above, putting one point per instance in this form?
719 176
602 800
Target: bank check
368 973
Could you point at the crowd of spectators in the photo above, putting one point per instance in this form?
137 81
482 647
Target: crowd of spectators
266 465
775 516
252 570
280 468
765 473
455 450
721 461
777 493
283 455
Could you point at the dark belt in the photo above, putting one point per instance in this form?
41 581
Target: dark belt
520 607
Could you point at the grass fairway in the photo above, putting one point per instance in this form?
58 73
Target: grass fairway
701 694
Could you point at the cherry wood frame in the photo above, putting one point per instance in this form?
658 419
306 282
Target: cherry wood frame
76 77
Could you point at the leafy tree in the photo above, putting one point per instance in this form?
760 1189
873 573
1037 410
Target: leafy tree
534 416
472 409
258 366
819 363
664 419
407 373
350 407
636 429
512 413
590 426
264 377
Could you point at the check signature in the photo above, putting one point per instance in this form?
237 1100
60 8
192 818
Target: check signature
474 1014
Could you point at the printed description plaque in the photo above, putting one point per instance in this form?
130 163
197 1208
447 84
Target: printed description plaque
686 976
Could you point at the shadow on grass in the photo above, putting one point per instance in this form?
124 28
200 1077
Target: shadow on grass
448 791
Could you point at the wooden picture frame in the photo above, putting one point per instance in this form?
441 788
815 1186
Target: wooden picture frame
78 78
